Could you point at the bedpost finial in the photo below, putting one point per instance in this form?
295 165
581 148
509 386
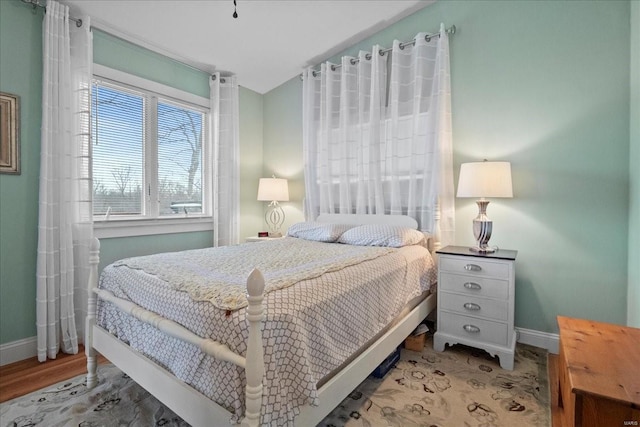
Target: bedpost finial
255 283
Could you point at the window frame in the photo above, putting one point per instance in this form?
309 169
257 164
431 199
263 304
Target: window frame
149 222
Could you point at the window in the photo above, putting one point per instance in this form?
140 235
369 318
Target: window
149 151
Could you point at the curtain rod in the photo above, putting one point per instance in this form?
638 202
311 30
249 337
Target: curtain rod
36 3
450 30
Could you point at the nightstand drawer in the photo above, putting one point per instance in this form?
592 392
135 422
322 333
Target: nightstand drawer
476 286
475 266
479 307
471 328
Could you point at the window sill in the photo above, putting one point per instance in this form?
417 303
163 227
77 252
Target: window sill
147 227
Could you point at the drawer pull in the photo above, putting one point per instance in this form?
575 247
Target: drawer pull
473 286
472 267
471 328
471 306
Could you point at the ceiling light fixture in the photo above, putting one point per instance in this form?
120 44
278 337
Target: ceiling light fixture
235 13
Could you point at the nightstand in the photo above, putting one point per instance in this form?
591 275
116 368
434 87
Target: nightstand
476 298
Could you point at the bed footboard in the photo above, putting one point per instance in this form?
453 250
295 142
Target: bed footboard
253 363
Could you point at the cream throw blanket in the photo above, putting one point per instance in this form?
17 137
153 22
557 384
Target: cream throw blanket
219 275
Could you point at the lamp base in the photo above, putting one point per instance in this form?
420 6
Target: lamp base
482 250
482 227
274 217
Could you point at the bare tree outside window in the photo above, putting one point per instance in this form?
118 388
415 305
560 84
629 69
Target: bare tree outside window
122 178
122 154
179 159
118 147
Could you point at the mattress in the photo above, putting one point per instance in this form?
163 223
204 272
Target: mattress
311 327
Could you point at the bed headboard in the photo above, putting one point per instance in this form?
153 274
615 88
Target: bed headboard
399 220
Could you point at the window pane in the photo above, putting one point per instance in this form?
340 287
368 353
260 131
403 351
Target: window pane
118 137
179 159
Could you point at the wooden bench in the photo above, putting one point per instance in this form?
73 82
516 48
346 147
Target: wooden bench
599 374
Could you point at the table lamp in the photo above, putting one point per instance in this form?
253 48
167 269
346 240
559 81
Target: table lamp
484 179
273 190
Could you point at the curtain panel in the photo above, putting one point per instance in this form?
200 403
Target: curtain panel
377 135
65 222
225 133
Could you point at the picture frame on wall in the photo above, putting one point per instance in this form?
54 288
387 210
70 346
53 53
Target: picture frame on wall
9 133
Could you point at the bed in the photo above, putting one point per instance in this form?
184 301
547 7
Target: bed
232 363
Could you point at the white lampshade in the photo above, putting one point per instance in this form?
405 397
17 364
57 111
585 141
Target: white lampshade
273 189
485 179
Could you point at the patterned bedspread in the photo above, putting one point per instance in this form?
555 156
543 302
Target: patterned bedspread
311 327
220 277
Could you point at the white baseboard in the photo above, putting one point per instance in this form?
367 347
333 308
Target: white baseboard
25 348
539 339
18 350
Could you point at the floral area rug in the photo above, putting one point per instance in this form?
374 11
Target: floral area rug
458 387
116 401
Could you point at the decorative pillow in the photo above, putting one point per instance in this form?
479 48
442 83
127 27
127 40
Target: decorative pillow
318 231
382 235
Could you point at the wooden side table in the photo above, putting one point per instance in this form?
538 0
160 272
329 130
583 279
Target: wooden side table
599 373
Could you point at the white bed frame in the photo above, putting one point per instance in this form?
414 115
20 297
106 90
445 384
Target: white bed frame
197 409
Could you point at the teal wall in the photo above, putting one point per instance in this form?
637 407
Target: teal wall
283 153
121 55
21 74
544 85
633 303
251 130
114 249
531 84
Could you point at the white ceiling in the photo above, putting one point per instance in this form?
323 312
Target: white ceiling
269 43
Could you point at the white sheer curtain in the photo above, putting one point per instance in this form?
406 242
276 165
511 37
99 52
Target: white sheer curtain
226 159
65 224
381 144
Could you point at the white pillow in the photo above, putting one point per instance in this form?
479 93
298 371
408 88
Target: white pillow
382 235
318 231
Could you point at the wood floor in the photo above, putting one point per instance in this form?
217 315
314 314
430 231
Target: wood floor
20 378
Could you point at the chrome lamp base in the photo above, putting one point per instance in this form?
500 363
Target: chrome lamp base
482 227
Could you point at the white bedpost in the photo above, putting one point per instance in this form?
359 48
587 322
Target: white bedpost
254 370
92 363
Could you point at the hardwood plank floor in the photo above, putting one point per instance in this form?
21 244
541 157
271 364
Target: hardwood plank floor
20 378
26 376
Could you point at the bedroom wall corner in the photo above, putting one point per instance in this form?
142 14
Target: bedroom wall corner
251 157
633 300
283 144
20 74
